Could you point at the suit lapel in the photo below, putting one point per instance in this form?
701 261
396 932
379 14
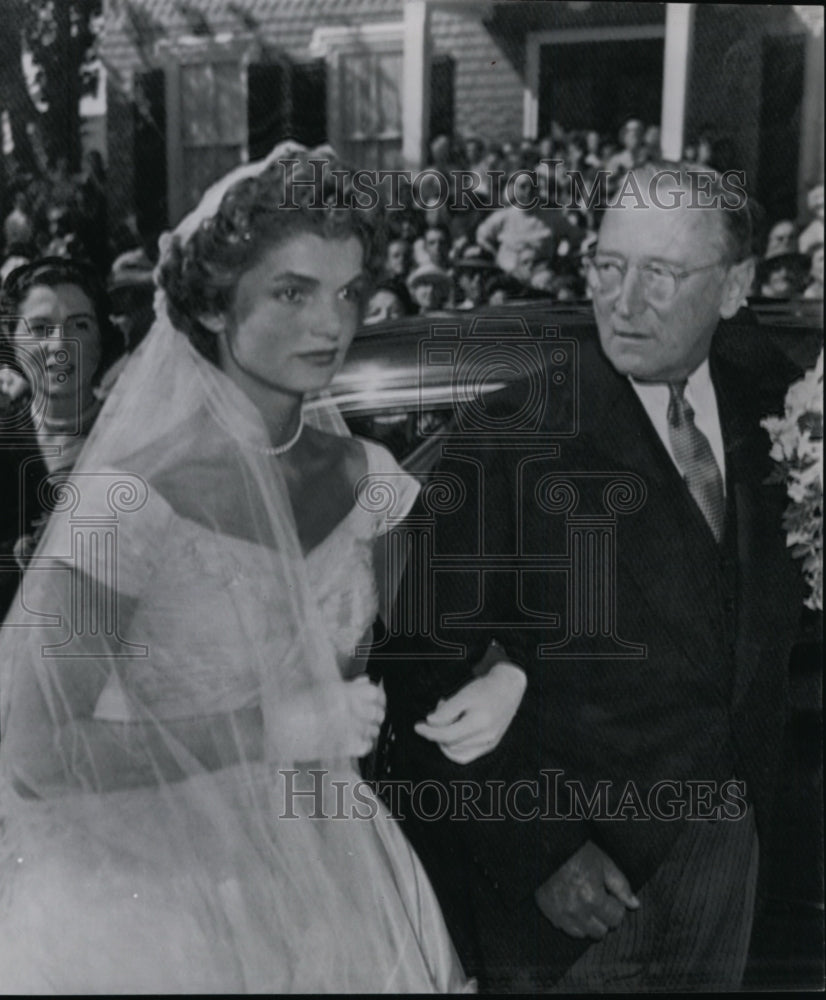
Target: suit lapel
769 583
666 547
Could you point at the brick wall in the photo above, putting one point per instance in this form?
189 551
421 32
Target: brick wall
727 98
488 56
133 28
488 87
285 25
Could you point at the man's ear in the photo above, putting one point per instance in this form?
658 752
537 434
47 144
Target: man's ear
214 322
737 288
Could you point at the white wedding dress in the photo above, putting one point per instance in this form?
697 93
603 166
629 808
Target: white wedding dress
222 881
171 678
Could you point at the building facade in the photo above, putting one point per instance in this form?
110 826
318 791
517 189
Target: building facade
196 86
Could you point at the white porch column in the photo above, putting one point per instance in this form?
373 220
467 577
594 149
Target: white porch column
810 169
679 30
530 94
416 83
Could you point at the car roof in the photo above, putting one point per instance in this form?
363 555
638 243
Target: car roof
405 363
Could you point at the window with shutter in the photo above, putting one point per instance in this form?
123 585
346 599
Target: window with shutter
286 101
213 126
364 92
370 119
149 152
308 104
442 95
267 107
206 114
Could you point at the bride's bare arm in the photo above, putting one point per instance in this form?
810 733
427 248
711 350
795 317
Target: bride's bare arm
84 753
117 755
54 741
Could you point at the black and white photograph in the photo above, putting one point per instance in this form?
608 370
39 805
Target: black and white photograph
411 497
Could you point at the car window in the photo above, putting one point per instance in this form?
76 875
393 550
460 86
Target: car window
413 437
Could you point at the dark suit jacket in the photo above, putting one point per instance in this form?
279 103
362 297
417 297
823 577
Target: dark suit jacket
687 682
21 473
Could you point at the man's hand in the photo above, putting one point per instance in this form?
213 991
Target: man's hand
587 896
473 721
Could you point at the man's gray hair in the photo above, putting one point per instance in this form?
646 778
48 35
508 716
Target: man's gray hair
725 193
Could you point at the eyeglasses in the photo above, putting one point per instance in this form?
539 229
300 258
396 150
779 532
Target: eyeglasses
75 327
660 282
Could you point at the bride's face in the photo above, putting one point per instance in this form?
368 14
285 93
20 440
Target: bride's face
295 312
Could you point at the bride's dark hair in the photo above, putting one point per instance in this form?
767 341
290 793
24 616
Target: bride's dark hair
306 192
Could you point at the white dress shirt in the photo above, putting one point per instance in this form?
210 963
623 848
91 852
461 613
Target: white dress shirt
699 393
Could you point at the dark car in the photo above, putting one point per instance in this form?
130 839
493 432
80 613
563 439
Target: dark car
407 382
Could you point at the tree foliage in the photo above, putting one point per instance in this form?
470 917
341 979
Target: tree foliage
59 35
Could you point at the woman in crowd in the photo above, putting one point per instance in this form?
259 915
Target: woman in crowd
430 289
17 254
397 258
782 275
814 290
21 470
472 269
812 235
782 238
62 344
179 805
389 299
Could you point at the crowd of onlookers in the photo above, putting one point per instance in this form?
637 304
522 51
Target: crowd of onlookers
65 215
502 250
59 215
492 251
441 259
791 265
59 246
63 266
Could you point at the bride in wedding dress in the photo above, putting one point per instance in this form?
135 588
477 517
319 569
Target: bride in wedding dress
180 696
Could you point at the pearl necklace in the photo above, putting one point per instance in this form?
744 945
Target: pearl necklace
281 449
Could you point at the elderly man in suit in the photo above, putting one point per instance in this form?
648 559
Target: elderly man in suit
611 840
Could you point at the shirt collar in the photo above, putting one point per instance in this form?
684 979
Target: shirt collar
699 388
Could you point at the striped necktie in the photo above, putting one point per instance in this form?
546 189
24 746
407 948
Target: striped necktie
695 459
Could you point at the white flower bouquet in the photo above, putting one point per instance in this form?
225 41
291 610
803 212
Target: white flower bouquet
797 447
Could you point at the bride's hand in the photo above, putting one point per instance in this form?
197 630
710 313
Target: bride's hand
365 707
473 721
341 719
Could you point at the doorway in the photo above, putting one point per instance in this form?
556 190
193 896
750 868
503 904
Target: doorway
598 84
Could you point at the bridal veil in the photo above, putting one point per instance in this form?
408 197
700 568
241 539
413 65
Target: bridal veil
178 811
